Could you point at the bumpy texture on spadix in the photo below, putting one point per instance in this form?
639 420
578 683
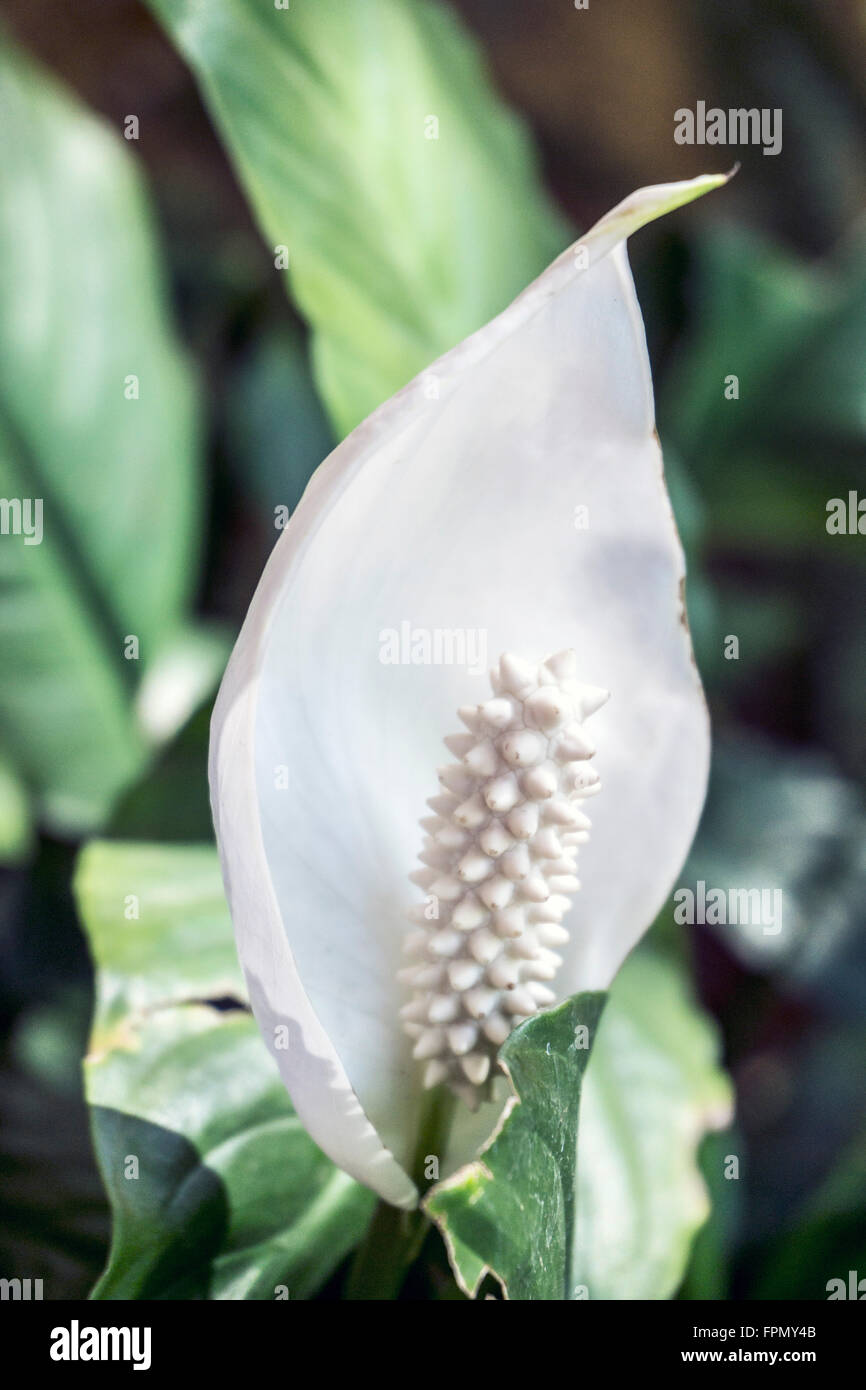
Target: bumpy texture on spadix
500 867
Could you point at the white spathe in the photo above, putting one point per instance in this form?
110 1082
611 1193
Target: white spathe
455 511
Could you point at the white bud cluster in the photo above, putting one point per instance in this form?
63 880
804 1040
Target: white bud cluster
499 868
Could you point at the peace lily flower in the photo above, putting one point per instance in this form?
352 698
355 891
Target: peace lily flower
513 495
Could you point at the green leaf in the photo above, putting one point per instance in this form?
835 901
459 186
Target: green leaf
399 244
652 1091
512 1211
82 310
231 1200
708 1274
618 1224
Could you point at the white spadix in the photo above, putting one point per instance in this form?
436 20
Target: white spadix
454 511
500 863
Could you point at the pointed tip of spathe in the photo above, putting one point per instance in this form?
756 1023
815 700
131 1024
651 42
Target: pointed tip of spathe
639 208
658 199
705 183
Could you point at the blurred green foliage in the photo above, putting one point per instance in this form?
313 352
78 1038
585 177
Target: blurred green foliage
767 461
98 419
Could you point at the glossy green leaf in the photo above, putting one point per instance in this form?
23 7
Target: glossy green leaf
374 151
512 1211
620 1223
216 1189
83 318
653 1090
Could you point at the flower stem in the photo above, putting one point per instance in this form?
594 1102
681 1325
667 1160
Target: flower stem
394 1237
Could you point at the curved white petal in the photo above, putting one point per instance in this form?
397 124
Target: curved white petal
453 508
